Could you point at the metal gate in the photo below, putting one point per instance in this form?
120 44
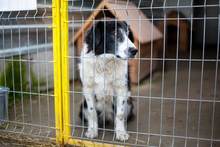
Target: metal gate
26 68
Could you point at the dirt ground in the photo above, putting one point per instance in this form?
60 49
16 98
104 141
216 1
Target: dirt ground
165 110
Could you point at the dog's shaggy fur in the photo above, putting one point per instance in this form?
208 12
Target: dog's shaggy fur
104 73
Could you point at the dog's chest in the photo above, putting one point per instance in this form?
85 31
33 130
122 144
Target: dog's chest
105 75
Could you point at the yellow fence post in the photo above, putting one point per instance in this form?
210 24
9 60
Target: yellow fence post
57 71
61 70
65 69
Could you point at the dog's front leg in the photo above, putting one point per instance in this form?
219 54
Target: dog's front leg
92 131
121 133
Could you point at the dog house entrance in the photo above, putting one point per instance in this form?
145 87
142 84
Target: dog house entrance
172 34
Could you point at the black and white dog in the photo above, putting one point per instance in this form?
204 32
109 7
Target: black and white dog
104 72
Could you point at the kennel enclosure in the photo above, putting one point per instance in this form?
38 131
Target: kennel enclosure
177 104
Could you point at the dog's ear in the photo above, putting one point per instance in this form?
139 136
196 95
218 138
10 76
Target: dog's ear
130 35
94 31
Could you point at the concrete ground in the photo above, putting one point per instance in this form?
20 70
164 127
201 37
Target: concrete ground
165 110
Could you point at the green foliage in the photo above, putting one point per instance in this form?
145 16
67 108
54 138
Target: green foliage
16 81
19 81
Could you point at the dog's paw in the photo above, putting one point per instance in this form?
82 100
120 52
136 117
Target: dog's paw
92 133
122 136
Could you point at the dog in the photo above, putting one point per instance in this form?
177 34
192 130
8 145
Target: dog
104 74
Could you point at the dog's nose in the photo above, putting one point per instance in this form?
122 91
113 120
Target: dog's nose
133 51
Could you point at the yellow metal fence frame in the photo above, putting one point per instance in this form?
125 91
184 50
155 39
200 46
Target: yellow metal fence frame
61 70
61 78
57 72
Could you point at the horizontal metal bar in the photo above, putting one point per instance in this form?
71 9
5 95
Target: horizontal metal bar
27 124
24 17
44 6
154 59
24 50
147 59
164 98
106 141
77 142
49 6
142 133
25 60
124 143
32 93
150 8
155 19
34 26
31 26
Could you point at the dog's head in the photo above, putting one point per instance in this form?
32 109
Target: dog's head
111 37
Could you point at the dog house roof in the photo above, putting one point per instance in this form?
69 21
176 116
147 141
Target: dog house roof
140 25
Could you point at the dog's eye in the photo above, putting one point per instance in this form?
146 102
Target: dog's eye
117 33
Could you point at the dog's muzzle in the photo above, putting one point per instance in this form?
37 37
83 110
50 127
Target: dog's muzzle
132 52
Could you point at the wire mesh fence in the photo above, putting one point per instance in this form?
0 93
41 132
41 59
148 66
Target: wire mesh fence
174 76
25 68
171 106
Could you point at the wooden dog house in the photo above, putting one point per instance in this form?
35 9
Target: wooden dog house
184 28
145 33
